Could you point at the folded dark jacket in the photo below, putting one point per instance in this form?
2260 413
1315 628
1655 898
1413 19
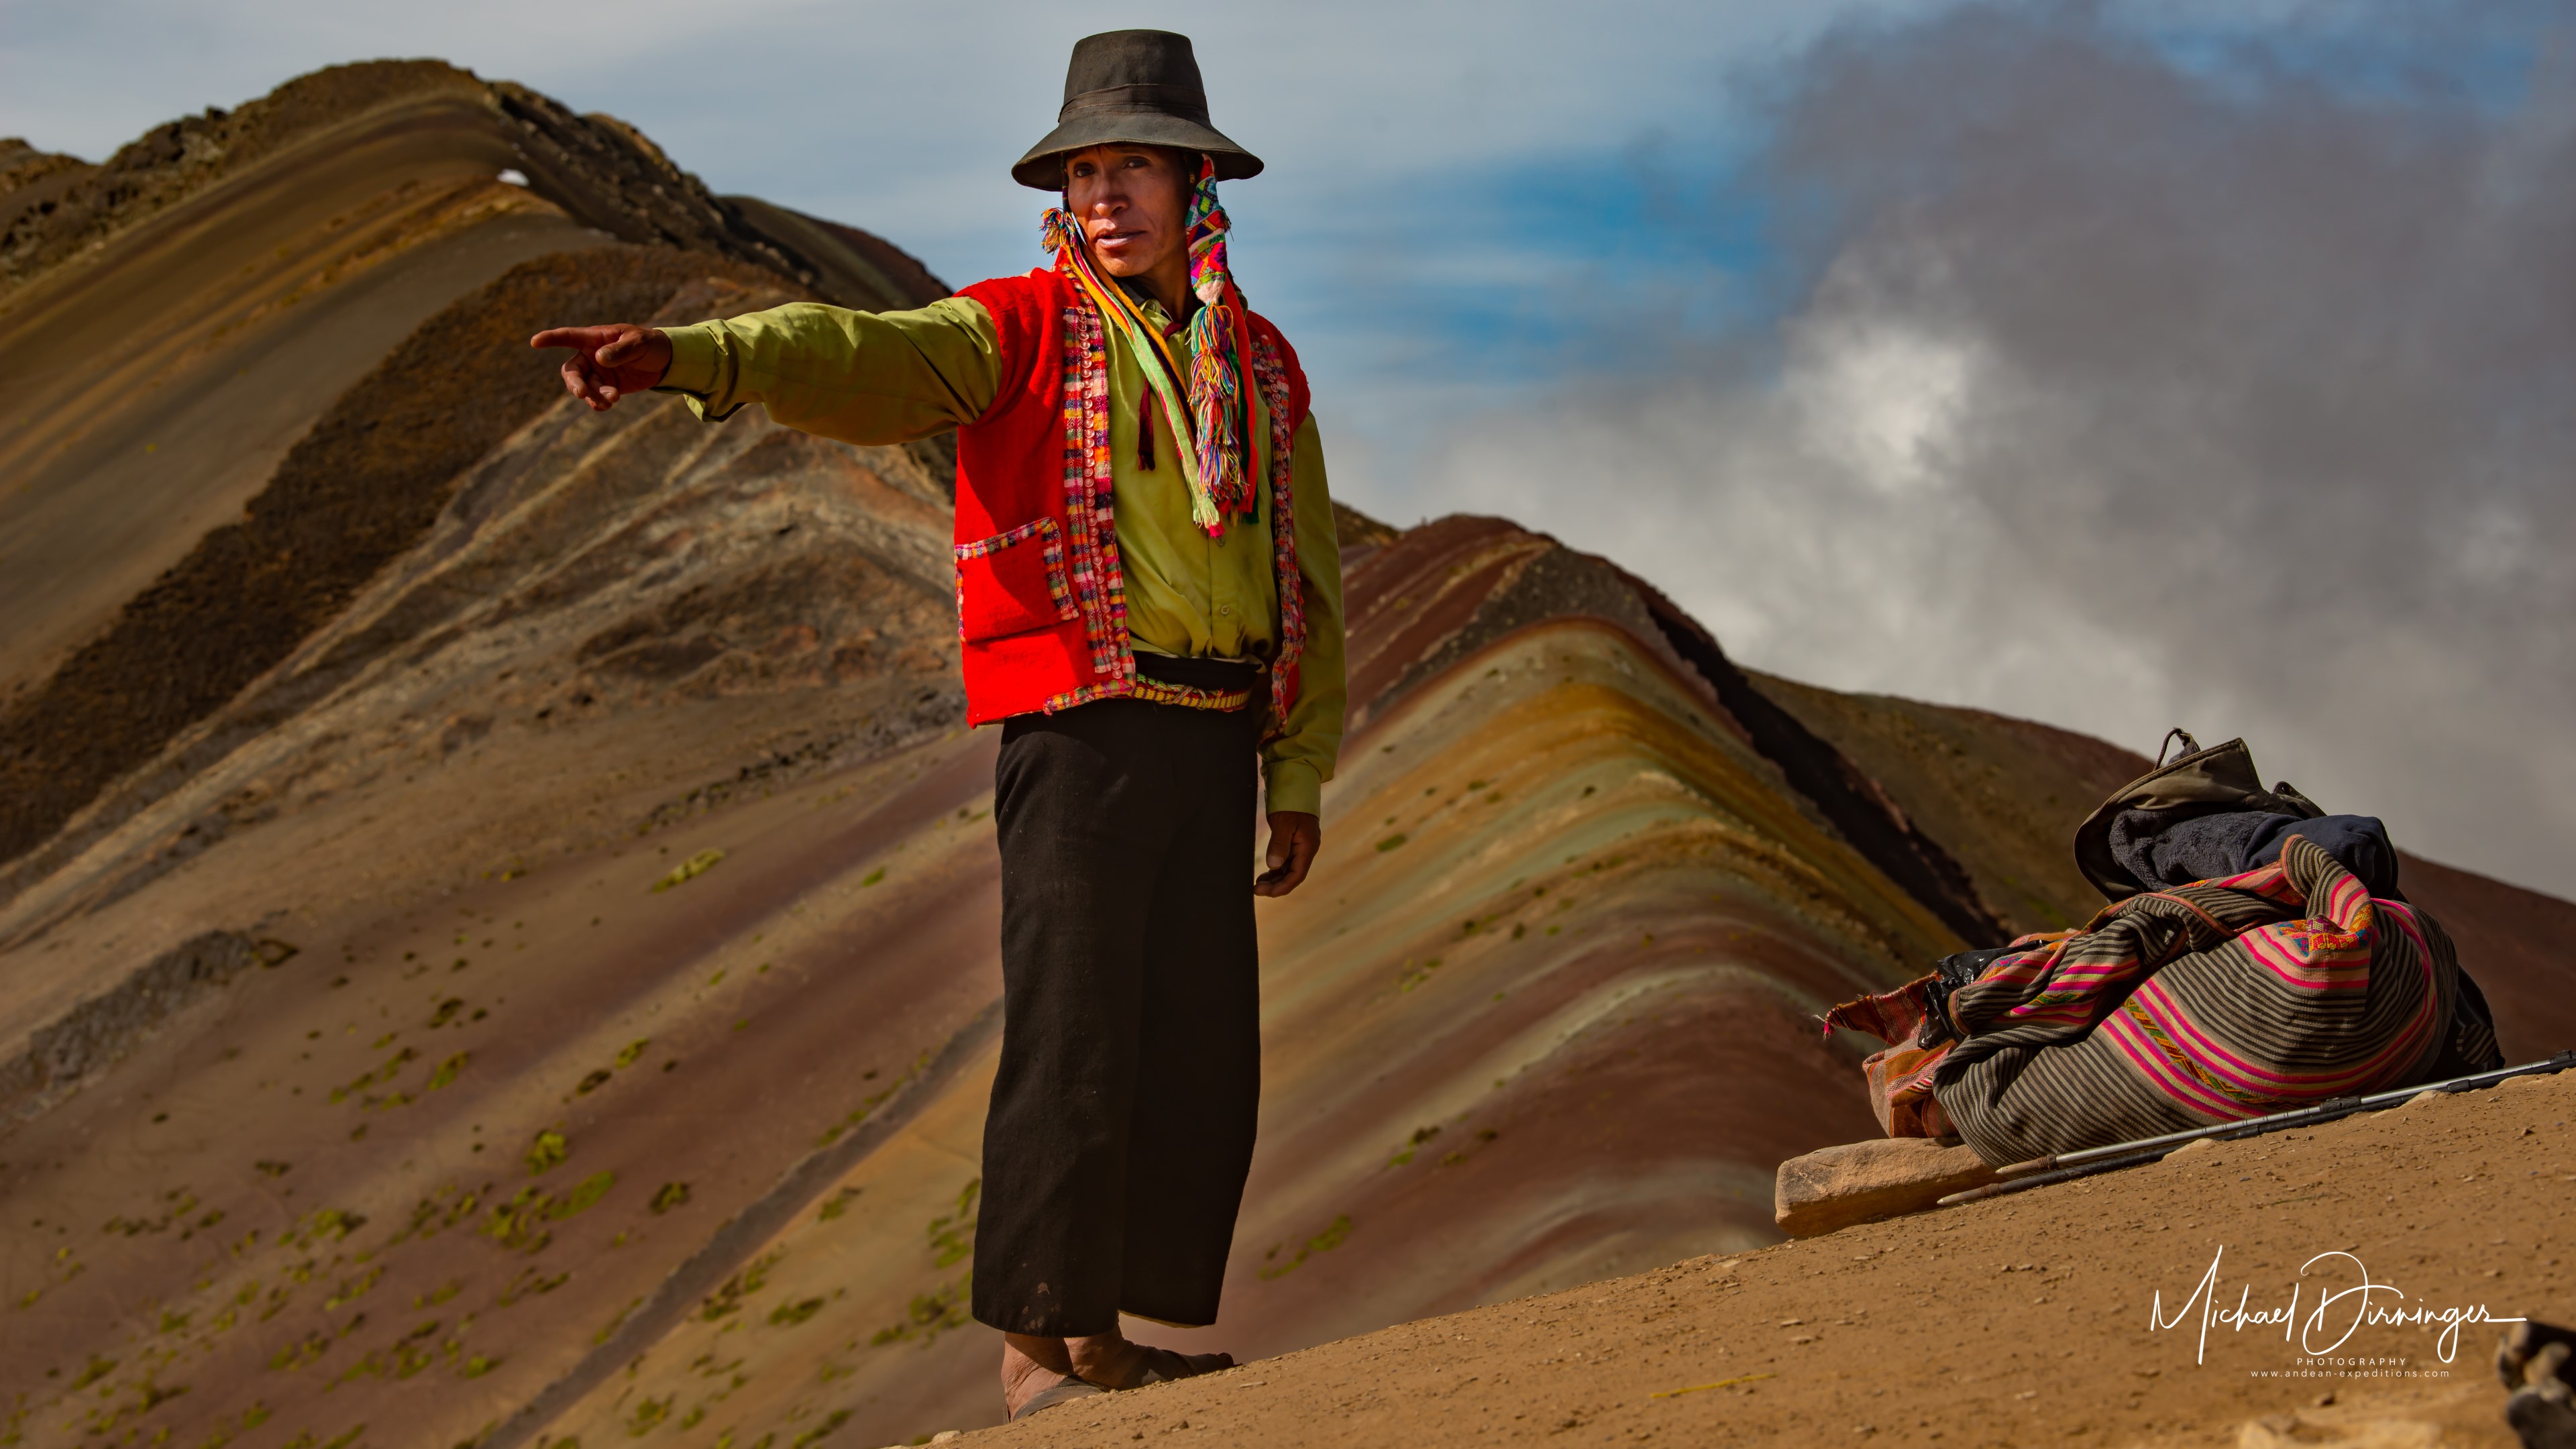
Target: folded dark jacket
2168 848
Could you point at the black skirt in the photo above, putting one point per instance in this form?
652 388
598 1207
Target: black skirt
1122 1118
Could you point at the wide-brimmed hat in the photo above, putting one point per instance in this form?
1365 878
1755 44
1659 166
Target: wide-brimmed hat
1137 86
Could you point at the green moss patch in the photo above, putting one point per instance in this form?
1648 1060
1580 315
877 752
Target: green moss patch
1333 1236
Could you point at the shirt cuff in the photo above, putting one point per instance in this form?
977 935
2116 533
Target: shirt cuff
693 360
1294 785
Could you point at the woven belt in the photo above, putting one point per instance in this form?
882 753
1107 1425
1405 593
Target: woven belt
1217 684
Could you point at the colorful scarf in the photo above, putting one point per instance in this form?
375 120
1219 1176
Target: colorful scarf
1215 372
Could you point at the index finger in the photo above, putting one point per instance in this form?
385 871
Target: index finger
587 339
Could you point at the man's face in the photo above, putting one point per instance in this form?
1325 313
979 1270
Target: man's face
1131 200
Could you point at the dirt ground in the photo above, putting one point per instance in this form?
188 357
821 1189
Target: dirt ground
2022 1320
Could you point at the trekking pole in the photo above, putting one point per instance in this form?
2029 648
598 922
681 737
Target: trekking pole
2067 1166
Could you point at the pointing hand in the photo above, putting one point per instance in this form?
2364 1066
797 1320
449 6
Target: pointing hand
608 362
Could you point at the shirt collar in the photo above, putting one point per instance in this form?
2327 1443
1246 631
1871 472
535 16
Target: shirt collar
1143 296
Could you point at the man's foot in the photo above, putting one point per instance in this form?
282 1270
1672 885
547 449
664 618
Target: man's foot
1031 1367
1065 1391
1111 1361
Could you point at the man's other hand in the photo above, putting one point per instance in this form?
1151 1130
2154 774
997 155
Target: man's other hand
609 362
1295 836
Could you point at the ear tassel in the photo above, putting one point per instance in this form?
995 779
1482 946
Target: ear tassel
1058 232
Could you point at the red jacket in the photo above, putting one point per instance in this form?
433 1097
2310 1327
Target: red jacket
1040 605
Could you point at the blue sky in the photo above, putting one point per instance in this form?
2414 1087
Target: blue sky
1465 201
1997 354
1459 196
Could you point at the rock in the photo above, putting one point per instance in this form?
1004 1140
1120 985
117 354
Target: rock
2542 1418
2292 1431
1858 1181
2532 1361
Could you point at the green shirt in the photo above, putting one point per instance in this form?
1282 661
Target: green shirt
893 377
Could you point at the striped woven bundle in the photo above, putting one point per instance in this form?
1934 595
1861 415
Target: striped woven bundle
2211 1002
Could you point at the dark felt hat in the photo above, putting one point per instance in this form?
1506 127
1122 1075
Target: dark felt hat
1138 86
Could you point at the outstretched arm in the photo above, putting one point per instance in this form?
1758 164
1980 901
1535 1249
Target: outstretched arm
861 377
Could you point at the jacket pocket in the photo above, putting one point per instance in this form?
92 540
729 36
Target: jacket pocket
1013 582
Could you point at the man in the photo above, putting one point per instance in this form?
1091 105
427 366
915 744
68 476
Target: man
1149 594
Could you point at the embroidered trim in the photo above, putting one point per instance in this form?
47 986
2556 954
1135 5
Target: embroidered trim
1271 376
1090 508
1058 703
1099 585
1041 527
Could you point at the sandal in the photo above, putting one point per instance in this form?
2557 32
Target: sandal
1063 1391
1163 1365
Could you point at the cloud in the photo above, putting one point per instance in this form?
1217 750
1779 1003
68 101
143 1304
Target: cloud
2134 387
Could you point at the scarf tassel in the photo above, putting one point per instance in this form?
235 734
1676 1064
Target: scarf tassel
1216 378
1217 401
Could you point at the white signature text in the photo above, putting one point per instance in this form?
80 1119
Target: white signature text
2341 1308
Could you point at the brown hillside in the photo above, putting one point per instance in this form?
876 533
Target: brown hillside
354 493
2514 942
2004 794
349 198
179 158
30 178
173 321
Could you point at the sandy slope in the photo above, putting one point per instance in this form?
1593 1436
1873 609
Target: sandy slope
2014 1322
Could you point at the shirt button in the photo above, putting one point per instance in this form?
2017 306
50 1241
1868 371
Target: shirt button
1225 608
